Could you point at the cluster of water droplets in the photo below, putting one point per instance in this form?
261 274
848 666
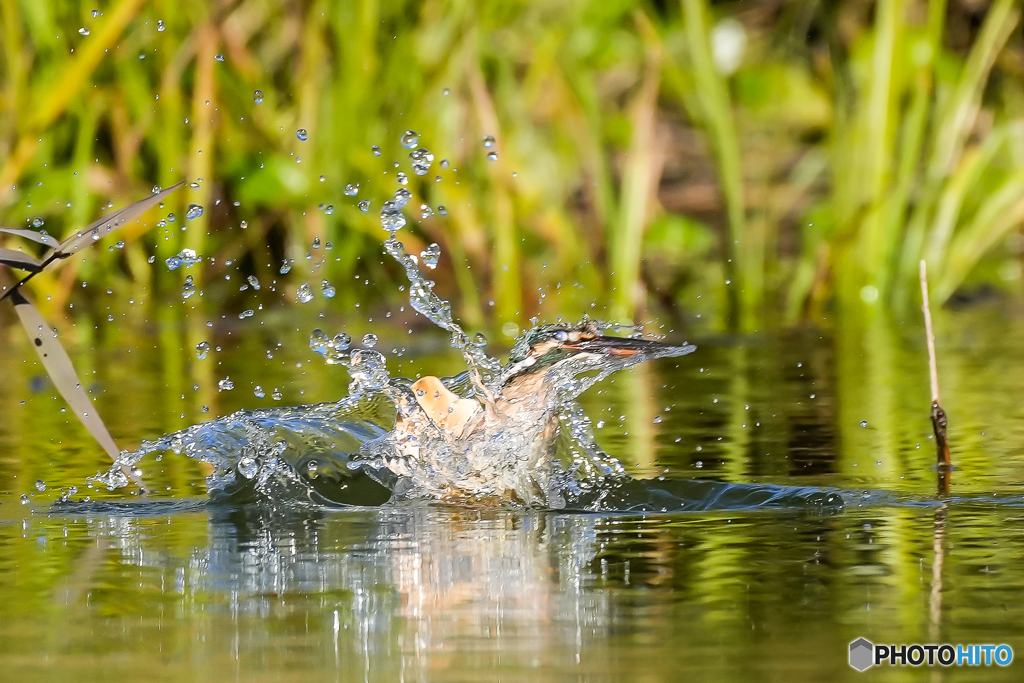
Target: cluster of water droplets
269 450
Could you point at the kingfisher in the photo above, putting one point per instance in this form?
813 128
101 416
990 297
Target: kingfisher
501 441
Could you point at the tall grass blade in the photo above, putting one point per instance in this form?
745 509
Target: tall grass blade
41 238
19 260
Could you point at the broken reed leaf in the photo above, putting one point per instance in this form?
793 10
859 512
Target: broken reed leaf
108 224
58 366
19 260
41 238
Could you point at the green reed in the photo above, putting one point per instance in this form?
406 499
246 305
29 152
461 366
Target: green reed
840 160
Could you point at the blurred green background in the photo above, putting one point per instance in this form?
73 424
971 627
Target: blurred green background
734 165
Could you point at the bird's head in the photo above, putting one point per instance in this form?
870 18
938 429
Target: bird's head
557 354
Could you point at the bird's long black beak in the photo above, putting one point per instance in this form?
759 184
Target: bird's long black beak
626 347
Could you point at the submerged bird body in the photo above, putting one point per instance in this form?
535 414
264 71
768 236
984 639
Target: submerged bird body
501 442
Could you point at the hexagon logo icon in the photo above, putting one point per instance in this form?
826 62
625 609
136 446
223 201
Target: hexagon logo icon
862 654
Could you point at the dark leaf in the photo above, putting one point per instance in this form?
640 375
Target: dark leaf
40 237
19 260
108 224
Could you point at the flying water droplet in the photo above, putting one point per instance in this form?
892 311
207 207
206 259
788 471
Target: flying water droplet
258 391
247 313
24 499
286 266
202 350
40 485
257 96
319 341
95 13
442 209
402 178
302 134
421 160
219 57
304 294
277 395
194 211
225 384
863 423
248 467
183 259
352 189
37 222
492 156
364 205
402 197
369 340
253 282
311 467
426 211
342 341
488 141
479 340
327 289
84 31
392 221
329 210
431 255
410 139
444 164
376 150
188 289
157 189
160 25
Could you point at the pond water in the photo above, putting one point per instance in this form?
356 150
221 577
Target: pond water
173 588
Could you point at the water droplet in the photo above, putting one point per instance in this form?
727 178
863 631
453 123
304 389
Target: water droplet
392 221
248 467
312 466
84 31
202 350
329 210
431 255
257 96
160 26
247 313
364 205
286 266
376 150
425 211
402 178
188 289
219 57
479 340
657 419
304 294
316 242
402 197
442 209
447 91
157 189
411 139
327 289
24 499
444 163
352 189
863 423
488 141
369 340
244 225
277 395
37 222
225 385
258 391
302 134
492 156
40 485
342 341
253 282
95 13
184 258
318 341
194 185
194 211
421 160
